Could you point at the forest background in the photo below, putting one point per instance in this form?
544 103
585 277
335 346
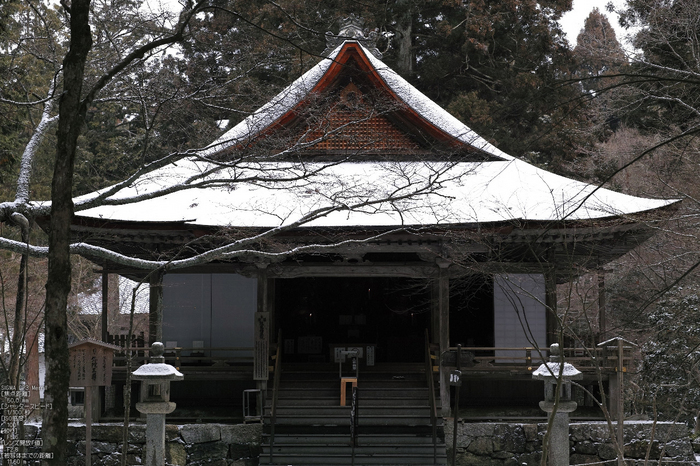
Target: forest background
167 83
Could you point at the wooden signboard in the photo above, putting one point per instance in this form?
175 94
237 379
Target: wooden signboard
91 363
90 366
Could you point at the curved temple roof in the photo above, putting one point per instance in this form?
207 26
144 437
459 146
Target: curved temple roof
373 193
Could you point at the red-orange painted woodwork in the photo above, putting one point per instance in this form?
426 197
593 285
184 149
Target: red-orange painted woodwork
364 131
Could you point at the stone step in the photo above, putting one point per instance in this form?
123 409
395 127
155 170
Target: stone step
367 376
393 416
362 439
418 431
361 385
362 411
334 390
345 447
389 420
334 400
358 460
379 368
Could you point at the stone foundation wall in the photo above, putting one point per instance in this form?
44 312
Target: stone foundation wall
185 445
508 444
478 444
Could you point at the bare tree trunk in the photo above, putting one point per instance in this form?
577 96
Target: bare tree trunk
404 62
18 329
58 284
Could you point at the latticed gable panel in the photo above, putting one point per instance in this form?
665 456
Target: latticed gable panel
353 123
352 131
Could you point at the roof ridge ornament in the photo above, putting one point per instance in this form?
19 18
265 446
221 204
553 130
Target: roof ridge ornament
352 28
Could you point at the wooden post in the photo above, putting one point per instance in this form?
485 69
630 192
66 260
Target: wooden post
263 329
266 290
155 308
105 305
601 306
88 425
435 311
615 387
90 367
444 332
620 404
551 319
32 369
458 386
102 395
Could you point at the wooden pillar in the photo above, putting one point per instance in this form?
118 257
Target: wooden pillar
105 306
266 295
262 289
601 307
104 322
443 304
155 308
613 396
552 320
435 311
263 330
620 408
270 303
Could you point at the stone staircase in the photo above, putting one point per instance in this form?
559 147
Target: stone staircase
393 422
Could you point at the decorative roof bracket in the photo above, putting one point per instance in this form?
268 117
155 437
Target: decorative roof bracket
352 28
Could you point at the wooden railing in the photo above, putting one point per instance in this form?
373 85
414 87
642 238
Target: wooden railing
187 359
431 392
490 359
497 359
121 340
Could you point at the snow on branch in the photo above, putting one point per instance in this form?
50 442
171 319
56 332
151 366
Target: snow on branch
22 195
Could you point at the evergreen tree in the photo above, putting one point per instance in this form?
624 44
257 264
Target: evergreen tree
498 66
600 59
597 50
506 74
665 75
29 51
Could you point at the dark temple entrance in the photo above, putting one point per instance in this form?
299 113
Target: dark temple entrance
316 313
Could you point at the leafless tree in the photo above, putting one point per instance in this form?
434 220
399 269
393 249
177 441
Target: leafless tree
79 84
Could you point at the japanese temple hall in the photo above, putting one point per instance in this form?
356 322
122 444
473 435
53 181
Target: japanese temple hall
352 217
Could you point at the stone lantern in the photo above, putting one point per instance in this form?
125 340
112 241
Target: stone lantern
155 401
553 372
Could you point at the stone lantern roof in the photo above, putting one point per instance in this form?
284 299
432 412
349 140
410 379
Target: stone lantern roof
555 369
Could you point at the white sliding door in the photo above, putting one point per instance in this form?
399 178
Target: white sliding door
211 310
520 315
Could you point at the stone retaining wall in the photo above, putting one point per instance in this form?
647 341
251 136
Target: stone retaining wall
478 444
509 444
186 445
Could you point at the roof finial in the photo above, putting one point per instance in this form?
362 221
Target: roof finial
352 28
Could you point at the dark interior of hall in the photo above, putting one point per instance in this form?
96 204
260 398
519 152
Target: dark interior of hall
315 313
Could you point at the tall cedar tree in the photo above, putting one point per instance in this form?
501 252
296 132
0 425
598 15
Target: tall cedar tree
600 61
597 50
498 66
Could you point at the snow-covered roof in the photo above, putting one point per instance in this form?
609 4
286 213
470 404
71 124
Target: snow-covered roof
372 193
93 342
295 93
415 193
